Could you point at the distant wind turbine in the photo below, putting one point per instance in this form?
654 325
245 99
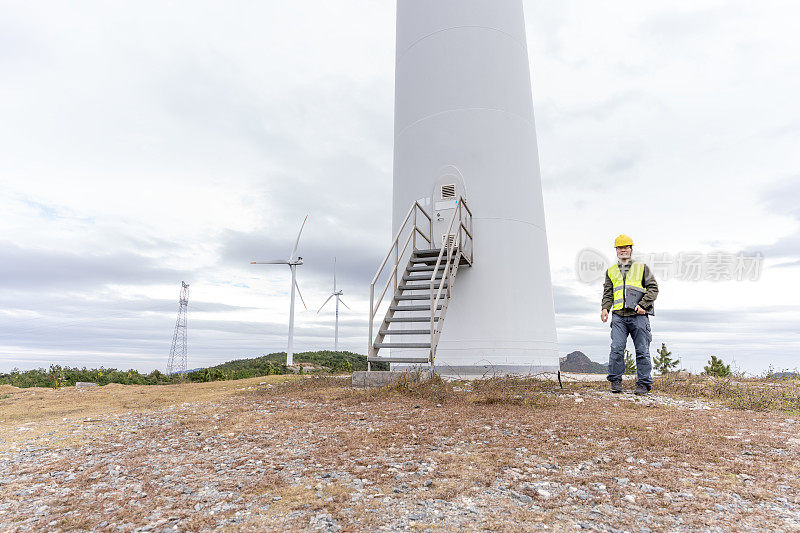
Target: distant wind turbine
338 295
293 263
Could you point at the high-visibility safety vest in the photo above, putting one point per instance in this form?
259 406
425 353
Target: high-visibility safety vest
628 291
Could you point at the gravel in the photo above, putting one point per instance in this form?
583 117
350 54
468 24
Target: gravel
292 463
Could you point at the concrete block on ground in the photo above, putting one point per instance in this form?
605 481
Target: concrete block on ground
85 384
382 378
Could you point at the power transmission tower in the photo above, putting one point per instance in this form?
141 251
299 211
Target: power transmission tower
177 355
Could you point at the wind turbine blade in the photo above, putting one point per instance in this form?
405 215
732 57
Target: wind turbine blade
297 242
300 294
344 304
334 274
326 301
276 262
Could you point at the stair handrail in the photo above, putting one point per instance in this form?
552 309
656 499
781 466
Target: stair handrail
398 254
455 250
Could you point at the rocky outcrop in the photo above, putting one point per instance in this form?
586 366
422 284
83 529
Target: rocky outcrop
580 363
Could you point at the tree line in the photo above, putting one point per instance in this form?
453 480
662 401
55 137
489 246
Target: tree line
273 364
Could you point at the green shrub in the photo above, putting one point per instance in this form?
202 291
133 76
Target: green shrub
663 362
716 367
630 363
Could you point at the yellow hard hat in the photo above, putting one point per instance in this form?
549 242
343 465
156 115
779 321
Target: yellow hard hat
623 240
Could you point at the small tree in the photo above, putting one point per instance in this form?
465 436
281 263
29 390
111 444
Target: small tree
717 368
663 362
630 363
56 376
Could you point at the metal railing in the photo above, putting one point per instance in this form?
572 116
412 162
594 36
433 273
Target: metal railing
452 253
393 280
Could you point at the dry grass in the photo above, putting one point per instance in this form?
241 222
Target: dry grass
437 391
512 391
581 431
40 410
267 483
756 394
466 437
737 393
39 403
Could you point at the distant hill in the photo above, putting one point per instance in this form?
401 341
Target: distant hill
785 375
578 362
274 363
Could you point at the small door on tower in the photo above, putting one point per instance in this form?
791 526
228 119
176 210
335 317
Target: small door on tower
446 192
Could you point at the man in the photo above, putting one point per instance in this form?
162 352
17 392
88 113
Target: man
629 292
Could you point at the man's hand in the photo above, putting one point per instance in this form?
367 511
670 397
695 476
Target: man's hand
604 315
640 310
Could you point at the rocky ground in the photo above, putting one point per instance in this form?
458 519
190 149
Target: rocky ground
315 454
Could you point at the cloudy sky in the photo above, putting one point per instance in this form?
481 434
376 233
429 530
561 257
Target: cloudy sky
145 143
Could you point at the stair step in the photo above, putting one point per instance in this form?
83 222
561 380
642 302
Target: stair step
428 253
422 287
413 319
385 332
420 277
413 307
414 297
398 360
425 268
431 261
380 345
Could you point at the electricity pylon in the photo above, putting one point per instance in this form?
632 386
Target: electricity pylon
177 355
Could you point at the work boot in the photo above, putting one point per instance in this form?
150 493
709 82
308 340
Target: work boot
616 386
641 389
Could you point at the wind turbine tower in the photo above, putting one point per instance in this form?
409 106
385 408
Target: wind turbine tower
338 295
294 261
465 144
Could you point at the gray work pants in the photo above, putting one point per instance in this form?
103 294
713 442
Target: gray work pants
638 327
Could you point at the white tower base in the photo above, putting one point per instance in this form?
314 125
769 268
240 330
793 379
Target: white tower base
463 100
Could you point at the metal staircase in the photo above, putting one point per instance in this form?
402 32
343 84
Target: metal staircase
421 293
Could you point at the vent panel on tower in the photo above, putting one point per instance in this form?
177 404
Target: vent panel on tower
449 191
